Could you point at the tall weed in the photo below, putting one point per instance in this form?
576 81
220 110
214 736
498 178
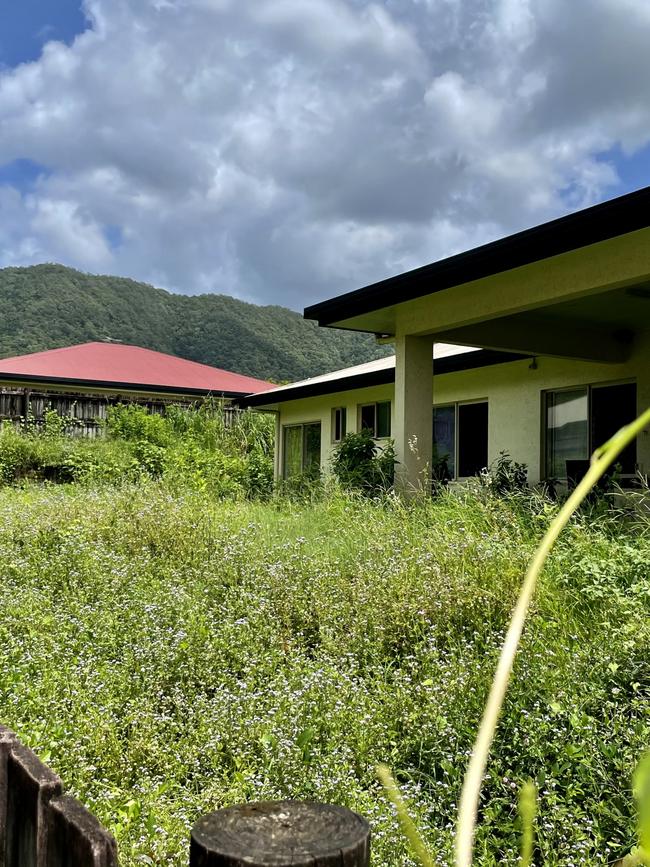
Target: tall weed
200 448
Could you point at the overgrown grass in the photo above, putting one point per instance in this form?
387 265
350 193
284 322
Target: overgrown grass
198 448
168 654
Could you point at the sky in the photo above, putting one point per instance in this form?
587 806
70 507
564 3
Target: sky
285 151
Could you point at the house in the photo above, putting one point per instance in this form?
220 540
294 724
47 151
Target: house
559 320
81 381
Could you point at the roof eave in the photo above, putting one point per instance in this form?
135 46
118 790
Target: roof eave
446 364
600 222
117 386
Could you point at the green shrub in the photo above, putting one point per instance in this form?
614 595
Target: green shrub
150 457
200 448
359 464
134 424
17 453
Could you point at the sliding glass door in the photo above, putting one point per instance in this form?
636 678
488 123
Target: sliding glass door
578 420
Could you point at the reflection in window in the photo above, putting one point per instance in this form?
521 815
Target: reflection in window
301 450
567 429
311 450
292 451
444 442
460 440
578 420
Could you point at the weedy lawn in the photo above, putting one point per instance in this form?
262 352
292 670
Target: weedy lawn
168 655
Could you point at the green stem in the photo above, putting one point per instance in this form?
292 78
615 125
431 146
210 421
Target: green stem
527 810
417 844
468 809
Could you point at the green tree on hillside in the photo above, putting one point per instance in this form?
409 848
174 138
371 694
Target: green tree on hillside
47 306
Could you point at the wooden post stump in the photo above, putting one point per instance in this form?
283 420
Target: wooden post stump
281 834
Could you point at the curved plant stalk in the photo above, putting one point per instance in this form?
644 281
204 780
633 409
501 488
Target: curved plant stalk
603 458
409 829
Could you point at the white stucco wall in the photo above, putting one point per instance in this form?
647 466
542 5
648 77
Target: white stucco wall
514 393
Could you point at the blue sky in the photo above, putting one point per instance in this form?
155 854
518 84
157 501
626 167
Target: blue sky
284 151
25 25
633 169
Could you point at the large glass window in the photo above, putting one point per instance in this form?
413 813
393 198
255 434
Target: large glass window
578 420
301 450
460 440
375 417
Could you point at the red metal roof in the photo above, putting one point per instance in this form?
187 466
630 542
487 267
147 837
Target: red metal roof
132 366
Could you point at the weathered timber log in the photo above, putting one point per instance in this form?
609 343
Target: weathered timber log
30 787
40 827
75 838
7 741
281 834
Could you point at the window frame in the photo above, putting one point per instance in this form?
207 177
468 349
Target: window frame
302 425
589 388
456 404
375 404
344 423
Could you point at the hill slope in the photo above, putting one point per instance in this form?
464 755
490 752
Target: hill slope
47 306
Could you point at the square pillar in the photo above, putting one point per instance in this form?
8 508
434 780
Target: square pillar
413 432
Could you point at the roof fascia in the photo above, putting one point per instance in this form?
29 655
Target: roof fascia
601 222
116 386
440 366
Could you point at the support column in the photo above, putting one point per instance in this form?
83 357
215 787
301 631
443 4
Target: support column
413 428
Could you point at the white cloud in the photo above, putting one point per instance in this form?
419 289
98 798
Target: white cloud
284 150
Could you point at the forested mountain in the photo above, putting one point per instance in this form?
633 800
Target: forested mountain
47 306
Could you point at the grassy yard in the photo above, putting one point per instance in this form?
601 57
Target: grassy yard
170 654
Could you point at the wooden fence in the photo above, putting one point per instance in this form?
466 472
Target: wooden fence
39 825
42 827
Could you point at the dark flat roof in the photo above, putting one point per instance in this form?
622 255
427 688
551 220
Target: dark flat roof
445 364
601 222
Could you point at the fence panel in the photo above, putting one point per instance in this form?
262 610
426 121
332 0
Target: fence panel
39 826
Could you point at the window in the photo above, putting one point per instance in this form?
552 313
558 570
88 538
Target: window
460 439
567 430
375 417
472 438
339 424
444 442
578 420
301 452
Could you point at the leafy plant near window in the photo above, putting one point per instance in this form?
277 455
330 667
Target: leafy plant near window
360 465
441 473
505 476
